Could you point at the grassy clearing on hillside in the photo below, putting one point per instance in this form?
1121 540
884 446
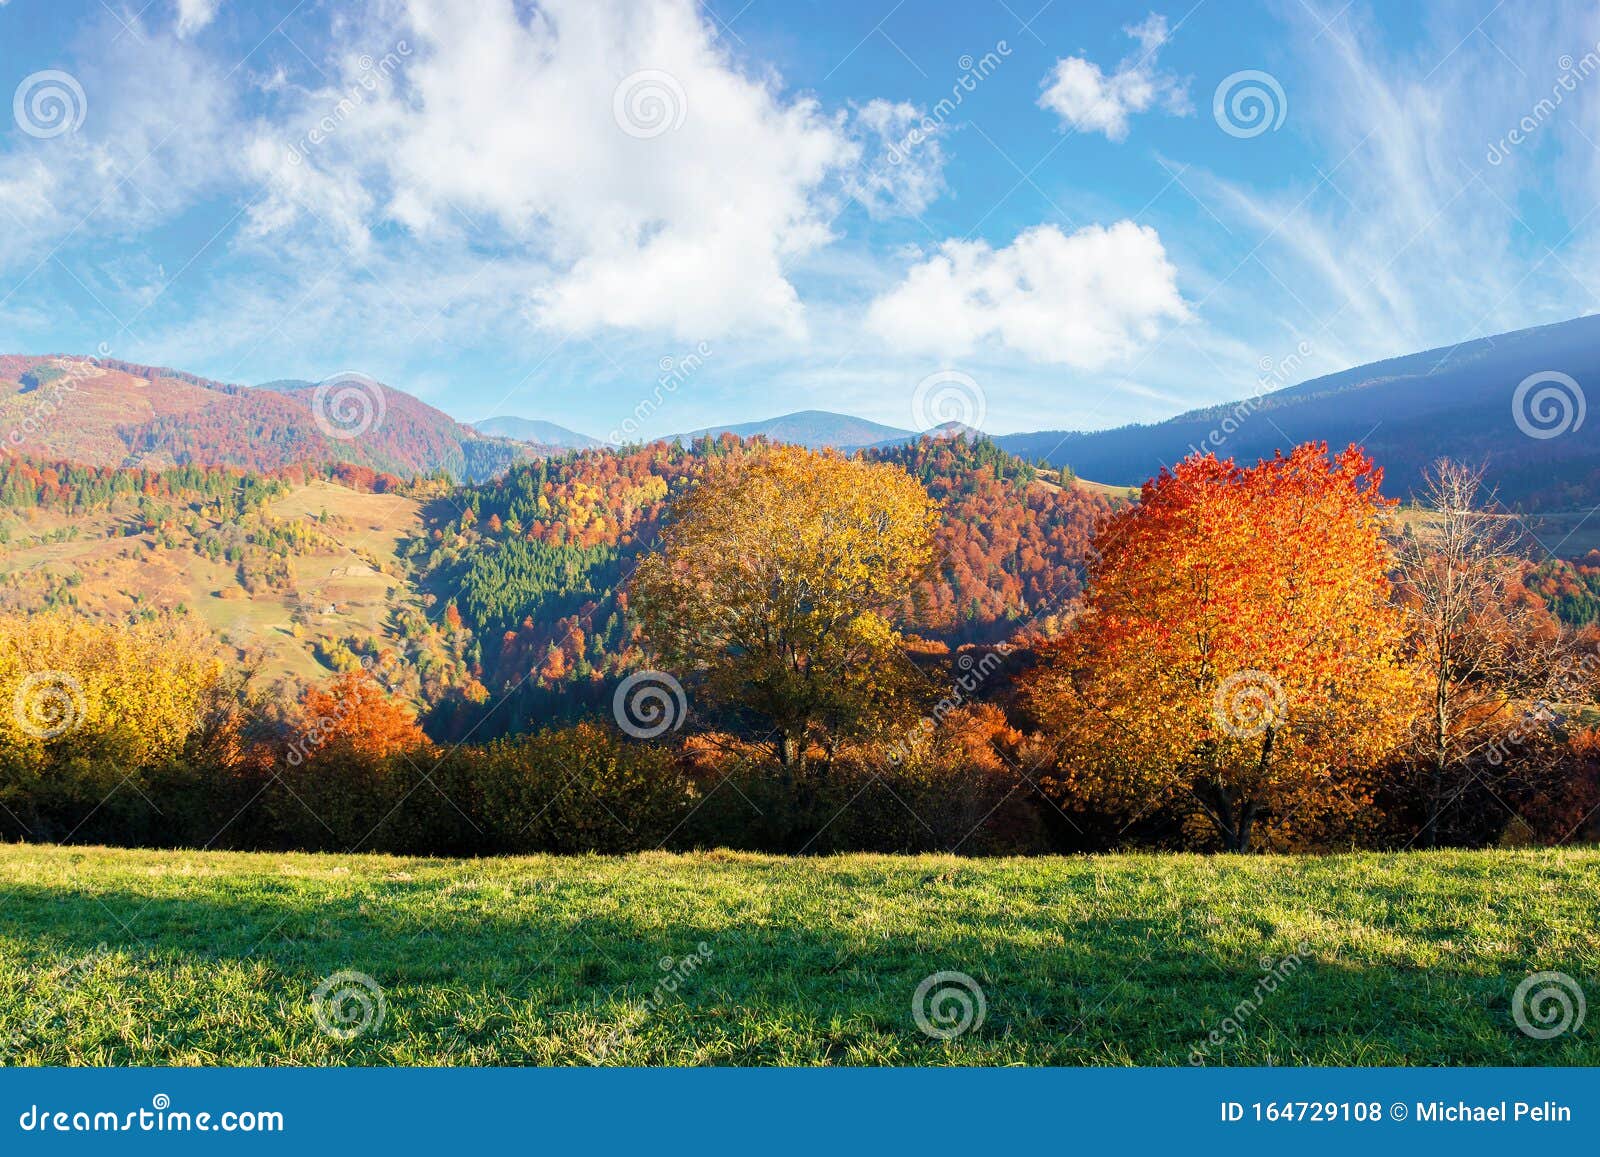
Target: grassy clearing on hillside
213 957
114 573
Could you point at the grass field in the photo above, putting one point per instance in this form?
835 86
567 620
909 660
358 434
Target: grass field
213 958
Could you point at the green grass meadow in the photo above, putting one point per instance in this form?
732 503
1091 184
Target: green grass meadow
151 957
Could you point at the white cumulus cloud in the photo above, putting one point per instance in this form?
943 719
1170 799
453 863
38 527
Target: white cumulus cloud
193 15
1093 102
1084 299
666 188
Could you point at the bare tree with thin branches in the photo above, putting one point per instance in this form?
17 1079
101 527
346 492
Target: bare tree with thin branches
1489 652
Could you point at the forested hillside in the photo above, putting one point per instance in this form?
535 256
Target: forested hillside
535 562
515 585
104 412
295 572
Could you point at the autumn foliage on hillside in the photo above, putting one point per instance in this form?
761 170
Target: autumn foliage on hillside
27 483
1570 588
921 648
539 556
1010 547
103 412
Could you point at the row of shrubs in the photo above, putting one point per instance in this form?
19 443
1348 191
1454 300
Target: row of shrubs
571 790
589 789
138 735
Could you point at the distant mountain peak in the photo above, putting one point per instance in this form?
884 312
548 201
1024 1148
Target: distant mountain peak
536 431
814 429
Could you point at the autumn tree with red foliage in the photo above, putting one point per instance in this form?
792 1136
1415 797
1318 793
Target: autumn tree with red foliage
353 715
1238 651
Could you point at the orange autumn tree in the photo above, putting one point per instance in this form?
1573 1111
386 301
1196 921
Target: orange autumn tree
1237 651
353 715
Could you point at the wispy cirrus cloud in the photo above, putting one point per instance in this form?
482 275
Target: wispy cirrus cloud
1401 236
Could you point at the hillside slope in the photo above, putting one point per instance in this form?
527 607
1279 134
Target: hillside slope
538 432
102 412
298 578
1460 402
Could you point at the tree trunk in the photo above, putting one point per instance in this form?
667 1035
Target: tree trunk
791 754
1233 818
1441 754
1247 819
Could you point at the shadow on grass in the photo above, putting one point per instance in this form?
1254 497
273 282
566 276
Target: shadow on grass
1119 990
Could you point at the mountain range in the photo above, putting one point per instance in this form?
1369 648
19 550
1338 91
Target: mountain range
1514 401
814 429
536 432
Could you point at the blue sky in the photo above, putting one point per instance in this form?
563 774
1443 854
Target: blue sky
546 210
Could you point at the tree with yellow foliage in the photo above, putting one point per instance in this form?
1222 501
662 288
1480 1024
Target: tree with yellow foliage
775 584
138 689
87 706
